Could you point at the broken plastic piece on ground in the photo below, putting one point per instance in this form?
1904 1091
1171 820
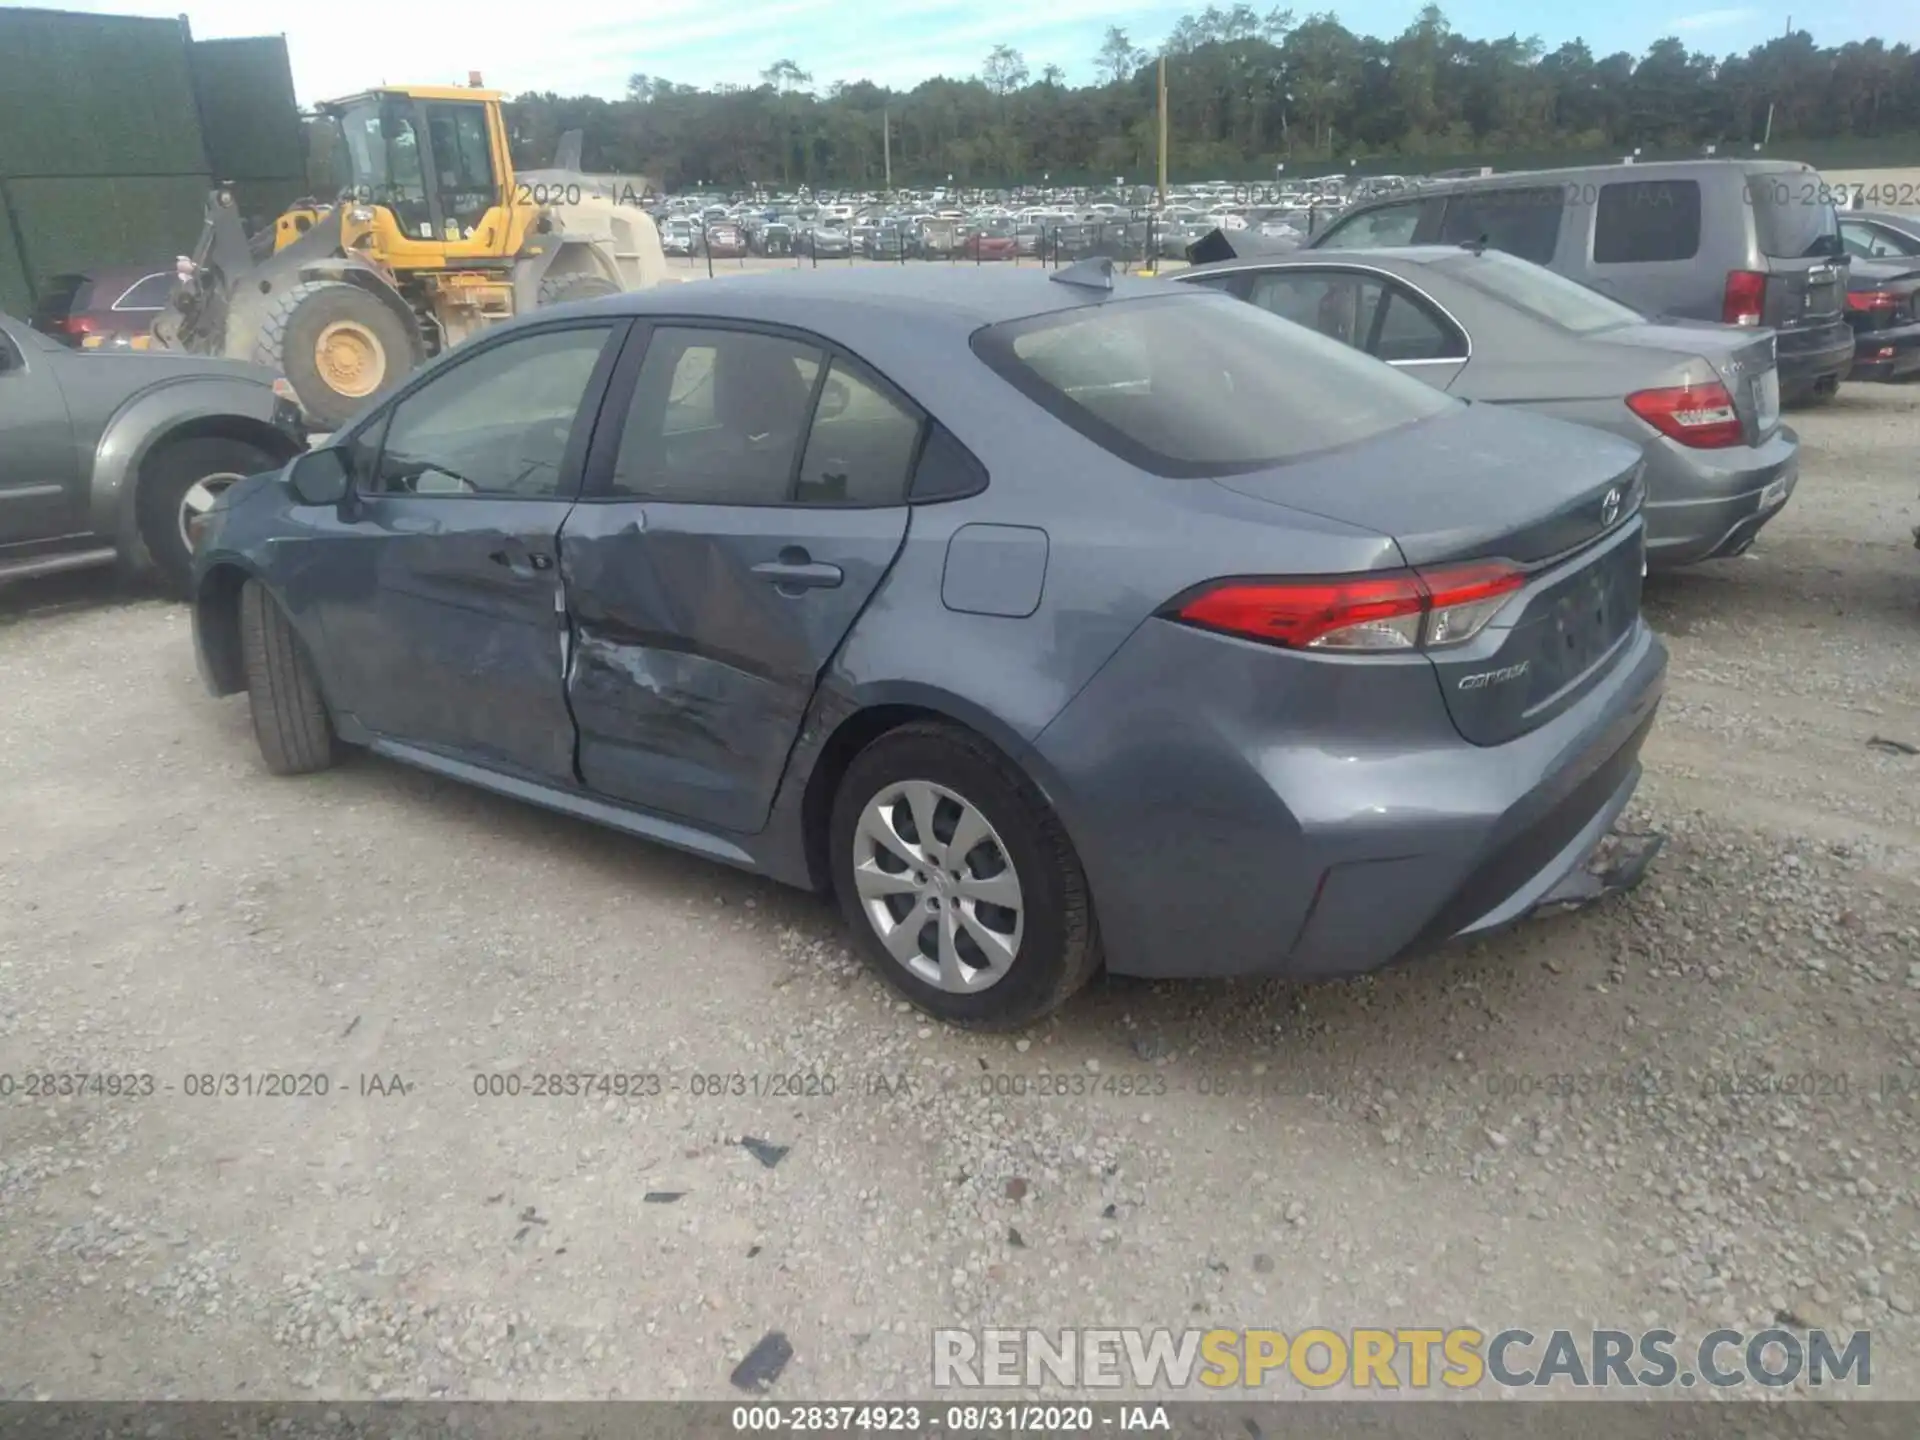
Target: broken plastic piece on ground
763 1363
765 1151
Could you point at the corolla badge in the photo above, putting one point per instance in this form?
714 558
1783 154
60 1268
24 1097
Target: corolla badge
1495 677
1610 507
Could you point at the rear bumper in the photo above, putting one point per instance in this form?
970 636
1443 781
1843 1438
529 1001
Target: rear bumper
1707 504
1890 354
1813 358
1323 842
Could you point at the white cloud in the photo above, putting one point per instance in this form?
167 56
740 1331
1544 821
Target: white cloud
1713 19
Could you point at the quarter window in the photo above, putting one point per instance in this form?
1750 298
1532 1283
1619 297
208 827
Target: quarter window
1637 221
861 447
493 425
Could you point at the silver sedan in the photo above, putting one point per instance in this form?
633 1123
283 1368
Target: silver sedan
1702 399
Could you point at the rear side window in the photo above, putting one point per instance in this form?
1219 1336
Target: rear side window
1202 385
1521 222
1638 221
1793 216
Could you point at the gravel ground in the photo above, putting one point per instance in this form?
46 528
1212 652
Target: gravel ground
1384 1152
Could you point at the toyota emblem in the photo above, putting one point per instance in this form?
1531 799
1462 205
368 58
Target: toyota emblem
1610 507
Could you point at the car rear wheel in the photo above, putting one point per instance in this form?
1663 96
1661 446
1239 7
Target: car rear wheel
179 482
290 720
959 883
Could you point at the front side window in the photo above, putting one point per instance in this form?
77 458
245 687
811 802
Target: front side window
718 417
1202 385
1523 222
462 162
496 424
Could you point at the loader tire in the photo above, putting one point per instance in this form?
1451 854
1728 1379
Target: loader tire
338 345
565 289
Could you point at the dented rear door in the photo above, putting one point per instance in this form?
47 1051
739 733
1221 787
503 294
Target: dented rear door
700 627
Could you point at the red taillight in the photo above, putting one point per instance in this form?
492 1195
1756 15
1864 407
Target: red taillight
1872 300
78 324
1745 298
1404 610
1701 417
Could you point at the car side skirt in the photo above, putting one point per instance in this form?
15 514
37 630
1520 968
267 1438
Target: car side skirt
568 802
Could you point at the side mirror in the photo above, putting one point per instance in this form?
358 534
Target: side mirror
834 399
321 477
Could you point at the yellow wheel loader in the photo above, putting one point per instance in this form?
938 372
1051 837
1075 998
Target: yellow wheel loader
431 239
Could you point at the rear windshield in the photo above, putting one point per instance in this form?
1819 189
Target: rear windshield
1202 384
1793 216
1540 292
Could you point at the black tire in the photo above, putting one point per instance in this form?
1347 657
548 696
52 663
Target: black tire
168 475
290 334
1059 948
564 289
290 719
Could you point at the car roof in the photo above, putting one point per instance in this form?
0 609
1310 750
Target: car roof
957 298
1900 219
1389 255
1636 170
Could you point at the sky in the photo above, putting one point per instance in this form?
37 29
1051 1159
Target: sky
592 46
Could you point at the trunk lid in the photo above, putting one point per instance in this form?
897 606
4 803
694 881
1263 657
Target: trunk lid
1560 500
1743 360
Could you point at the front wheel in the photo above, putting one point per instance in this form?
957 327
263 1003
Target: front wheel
290 719
959 883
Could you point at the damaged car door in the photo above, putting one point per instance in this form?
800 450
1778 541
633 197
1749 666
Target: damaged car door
730 531
445 622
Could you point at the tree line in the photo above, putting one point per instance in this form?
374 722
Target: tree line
1247 91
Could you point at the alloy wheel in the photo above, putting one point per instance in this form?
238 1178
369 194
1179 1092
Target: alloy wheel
199 499
938 886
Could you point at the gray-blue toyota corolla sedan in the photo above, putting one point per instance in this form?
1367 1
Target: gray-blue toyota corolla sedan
1048 621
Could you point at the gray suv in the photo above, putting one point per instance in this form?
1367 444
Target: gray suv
1744 242
112 456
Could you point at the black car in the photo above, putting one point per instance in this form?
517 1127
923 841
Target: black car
1883 306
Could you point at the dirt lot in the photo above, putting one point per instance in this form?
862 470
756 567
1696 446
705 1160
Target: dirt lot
1739 1143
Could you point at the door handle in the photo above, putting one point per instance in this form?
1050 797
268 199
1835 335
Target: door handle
799 573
